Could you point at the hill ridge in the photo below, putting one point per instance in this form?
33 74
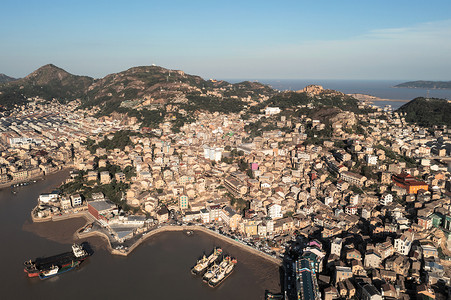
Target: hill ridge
425 84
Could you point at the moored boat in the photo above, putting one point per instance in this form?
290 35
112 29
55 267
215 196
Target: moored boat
199 265
211 272
57 264
203 263
223 274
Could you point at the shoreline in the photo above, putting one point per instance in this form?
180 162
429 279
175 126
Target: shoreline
370 98
175 228
391 100
39 177
167 228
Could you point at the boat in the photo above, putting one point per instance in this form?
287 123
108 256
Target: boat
204 262
223 274
199 264
54 265
211 272
215 269
214 255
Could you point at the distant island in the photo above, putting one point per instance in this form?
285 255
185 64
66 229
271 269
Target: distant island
421 84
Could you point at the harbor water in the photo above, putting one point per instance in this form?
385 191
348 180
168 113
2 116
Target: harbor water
157 269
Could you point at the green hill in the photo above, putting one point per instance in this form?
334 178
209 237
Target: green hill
155 84
425 84
47 82
152 93
427 112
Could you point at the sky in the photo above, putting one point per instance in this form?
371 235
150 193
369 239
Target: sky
390 40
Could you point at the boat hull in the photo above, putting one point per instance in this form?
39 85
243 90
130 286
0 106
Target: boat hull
60 271
213 285
40 267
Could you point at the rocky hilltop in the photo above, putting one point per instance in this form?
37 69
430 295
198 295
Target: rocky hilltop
137 87
152 94
318 90
335 116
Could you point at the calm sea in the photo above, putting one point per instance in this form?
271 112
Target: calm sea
379 88
157 269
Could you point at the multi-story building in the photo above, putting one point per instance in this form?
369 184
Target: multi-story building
46 198
342 155
351 209
429 250
214 211
371 159
385 249
235 186
353 178
404 243
386 199
183 201
92 176
386 177
19 175
372 260
76 200
275 211
105 177
353 254
272 111
120 177
229 216
425 222
342 273
409 183
335 246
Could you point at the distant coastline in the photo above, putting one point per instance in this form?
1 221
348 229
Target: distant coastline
364 97
422 84
383 89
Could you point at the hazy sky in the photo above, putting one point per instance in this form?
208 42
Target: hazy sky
336 39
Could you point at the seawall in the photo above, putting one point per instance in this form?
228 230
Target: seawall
168 228
265 256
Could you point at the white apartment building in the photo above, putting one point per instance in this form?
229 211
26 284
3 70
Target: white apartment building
404 243
275 211
371 159
386 199
272 111
75 200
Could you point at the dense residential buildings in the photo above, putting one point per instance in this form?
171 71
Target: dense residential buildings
365 206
